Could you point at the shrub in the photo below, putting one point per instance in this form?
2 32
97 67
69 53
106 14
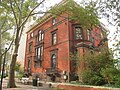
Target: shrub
86 75
91 78
111 75
96 80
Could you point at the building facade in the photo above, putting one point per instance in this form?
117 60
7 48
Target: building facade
50 43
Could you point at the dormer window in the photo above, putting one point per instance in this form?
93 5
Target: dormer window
54 21
78 33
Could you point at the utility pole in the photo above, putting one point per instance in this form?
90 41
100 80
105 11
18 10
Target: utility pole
3 69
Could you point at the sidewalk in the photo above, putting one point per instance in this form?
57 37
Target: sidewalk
24 87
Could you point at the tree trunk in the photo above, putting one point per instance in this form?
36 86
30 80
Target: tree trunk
11 80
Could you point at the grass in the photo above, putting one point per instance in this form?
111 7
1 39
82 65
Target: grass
58 89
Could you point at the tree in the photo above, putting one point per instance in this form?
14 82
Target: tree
17 66
5 25
100 69
110 9
86 16
20 11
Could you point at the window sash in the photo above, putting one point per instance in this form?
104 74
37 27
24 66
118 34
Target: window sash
40 35
54 21
88 34
53 61
78 33
30 47
54 38
39 52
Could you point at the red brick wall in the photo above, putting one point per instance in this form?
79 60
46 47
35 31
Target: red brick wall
62 45
70 87
65 43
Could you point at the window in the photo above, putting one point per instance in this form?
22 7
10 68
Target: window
39 52
88 34
78 33
40 35
93 41
53 61
54 21
101 35
30 47
54 38
29 65
31 35
38 56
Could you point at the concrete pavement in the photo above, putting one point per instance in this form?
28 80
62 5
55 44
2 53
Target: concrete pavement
24 87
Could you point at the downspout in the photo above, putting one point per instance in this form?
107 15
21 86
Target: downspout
68 28
25 67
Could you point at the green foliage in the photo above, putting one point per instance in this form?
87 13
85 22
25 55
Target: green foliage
100 69
111 75
58 89
110 9
75 57
91 78
21 73
85 15
17 66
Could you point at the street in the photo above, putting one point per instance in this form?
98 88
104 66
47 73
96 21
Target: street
24 87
